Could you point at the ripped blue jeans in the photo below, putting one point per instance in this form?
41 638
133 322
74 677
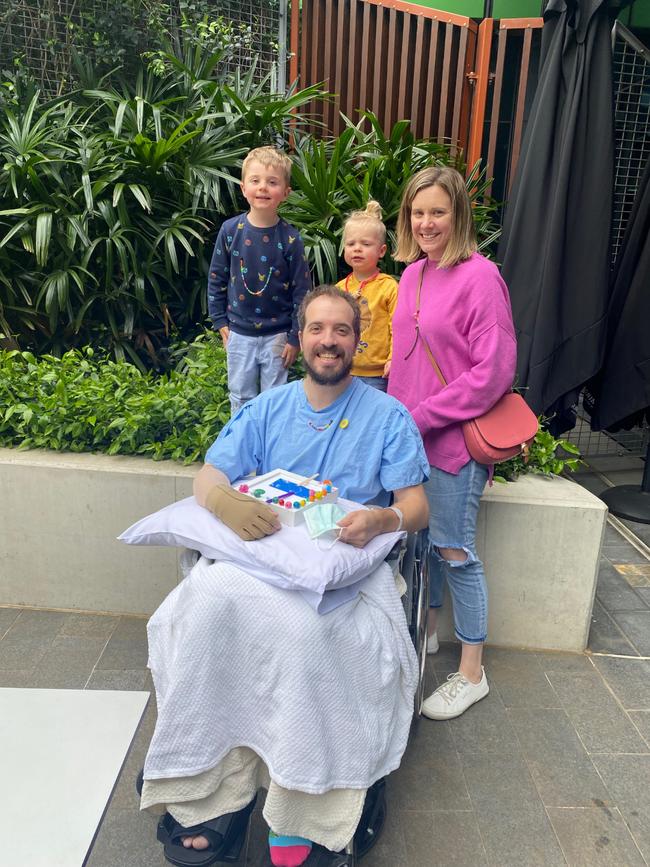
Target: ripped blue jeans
453 510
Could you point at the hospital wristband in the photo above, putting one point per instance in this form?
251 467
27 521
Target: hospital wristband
400 515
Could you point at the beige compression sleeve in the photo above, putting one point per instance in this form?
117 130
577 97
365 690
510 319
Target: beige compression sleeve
247 517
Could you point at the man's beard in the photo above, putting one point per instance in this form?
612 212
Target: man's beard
332 377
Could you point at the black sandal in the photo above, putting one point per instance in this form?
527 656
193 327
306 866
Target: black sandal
320 857
225 836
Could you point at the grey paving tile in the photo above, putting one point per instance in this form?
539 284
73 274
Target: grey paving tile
39 622
90 625
430 783
626 778
485 727
519 679
446 659
17 679
595 837
636 627
7 617
121 680
126 838
591 482
644 593
619 596
513 823
640 530
68 662
607 575
568 662
127 646
29 638
600 722
563 772
390 849
125 796
613 536
629 680
641 719
623 553
428 738
616 462
605 636
442 839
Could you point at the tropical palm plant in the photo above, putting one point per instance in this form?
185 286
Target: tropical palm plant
110 196
333 177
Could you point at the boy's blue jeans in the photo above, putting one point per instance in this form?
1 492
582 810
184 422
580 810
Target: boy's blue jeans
453 510
254 365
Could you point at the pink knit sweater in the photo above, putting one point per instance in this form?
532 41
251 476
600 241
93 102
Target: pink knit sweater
466 318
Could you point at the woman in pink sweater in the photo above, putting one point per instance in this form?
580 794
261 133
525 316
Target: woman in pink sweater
453 301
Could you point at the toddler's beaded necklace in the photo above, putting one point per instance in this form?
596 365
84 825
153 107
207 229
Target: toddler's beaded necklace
361 285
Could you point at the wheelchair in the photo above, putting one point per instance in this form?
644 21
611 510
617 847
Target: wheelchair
409 560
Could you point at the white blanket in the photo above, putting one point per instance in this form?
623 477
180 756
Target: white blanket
326 702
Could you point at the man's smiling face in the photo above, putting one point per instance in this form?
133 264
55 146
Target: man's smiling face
328 340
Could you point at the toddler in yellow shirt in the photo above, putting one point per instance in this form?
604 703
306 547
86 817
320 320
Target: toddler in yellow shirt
364 244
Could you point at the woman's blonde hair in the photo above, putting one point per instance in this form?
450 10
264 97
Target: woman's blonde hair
462 240
370 215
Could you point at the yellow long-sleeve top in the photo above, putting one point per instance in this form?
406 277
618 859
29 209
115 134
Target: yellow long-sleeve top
377 299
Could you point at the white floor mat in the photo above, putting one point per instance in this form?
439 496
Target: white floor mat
60 754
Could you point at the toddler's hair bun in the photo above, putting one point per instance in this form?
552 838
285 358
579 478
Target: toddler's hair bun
373 209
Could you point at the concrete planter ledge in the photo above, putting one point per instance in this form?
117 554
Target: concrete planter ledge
540 541
60 514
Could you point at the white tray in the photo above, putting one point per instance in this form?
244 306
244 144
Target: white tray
272 488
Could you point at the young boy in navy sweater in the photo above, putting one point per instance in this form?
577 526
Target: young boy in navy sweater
258 277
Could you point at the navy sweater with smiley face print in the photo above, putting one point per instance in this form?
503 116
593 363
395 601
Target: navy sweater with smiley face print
257 279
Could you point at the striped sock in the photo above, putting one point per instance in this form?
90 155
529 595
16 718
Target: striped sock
288 851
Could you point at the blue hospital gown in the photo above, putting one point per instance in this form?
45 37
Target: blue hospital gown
366 441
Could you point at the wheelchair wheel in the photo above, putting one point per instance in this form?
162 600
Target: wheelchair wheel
370 824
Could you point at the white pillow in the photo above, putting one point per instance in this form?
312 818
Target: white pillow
290 558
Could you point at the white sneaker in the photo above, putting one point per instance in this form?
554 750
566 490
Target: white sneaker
433 645
455 696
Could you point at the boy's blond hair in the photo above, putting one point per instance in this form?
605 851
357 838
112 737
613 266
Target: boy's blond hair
462 240
371 215
268 156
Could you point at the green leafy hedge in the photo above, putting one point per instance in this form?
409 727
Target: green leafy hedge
85 402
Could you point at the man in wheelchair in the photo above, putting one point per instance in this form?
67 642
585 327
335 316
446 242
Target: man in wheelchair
254 687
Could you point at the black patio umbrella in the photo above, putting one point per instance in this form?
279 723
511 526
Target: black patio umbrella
555 247
621 391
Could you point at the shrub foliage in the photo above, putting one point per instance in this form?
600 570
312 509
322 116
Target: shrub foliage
85 402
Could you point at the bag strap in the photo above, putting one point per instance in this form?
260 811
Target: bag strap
427 348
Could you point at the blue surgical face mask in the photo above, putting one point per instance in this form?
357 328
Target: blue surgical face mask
322 521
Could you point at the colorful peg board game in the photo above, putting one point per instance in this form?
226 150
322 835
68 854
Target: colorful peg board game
290 495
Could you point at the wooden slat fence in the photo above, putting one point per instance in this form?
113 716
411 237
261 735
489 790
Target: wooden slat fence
452 77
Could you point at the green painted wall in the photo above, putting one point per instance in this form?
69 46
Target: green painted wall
637 15
516 8
474 8
471 8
